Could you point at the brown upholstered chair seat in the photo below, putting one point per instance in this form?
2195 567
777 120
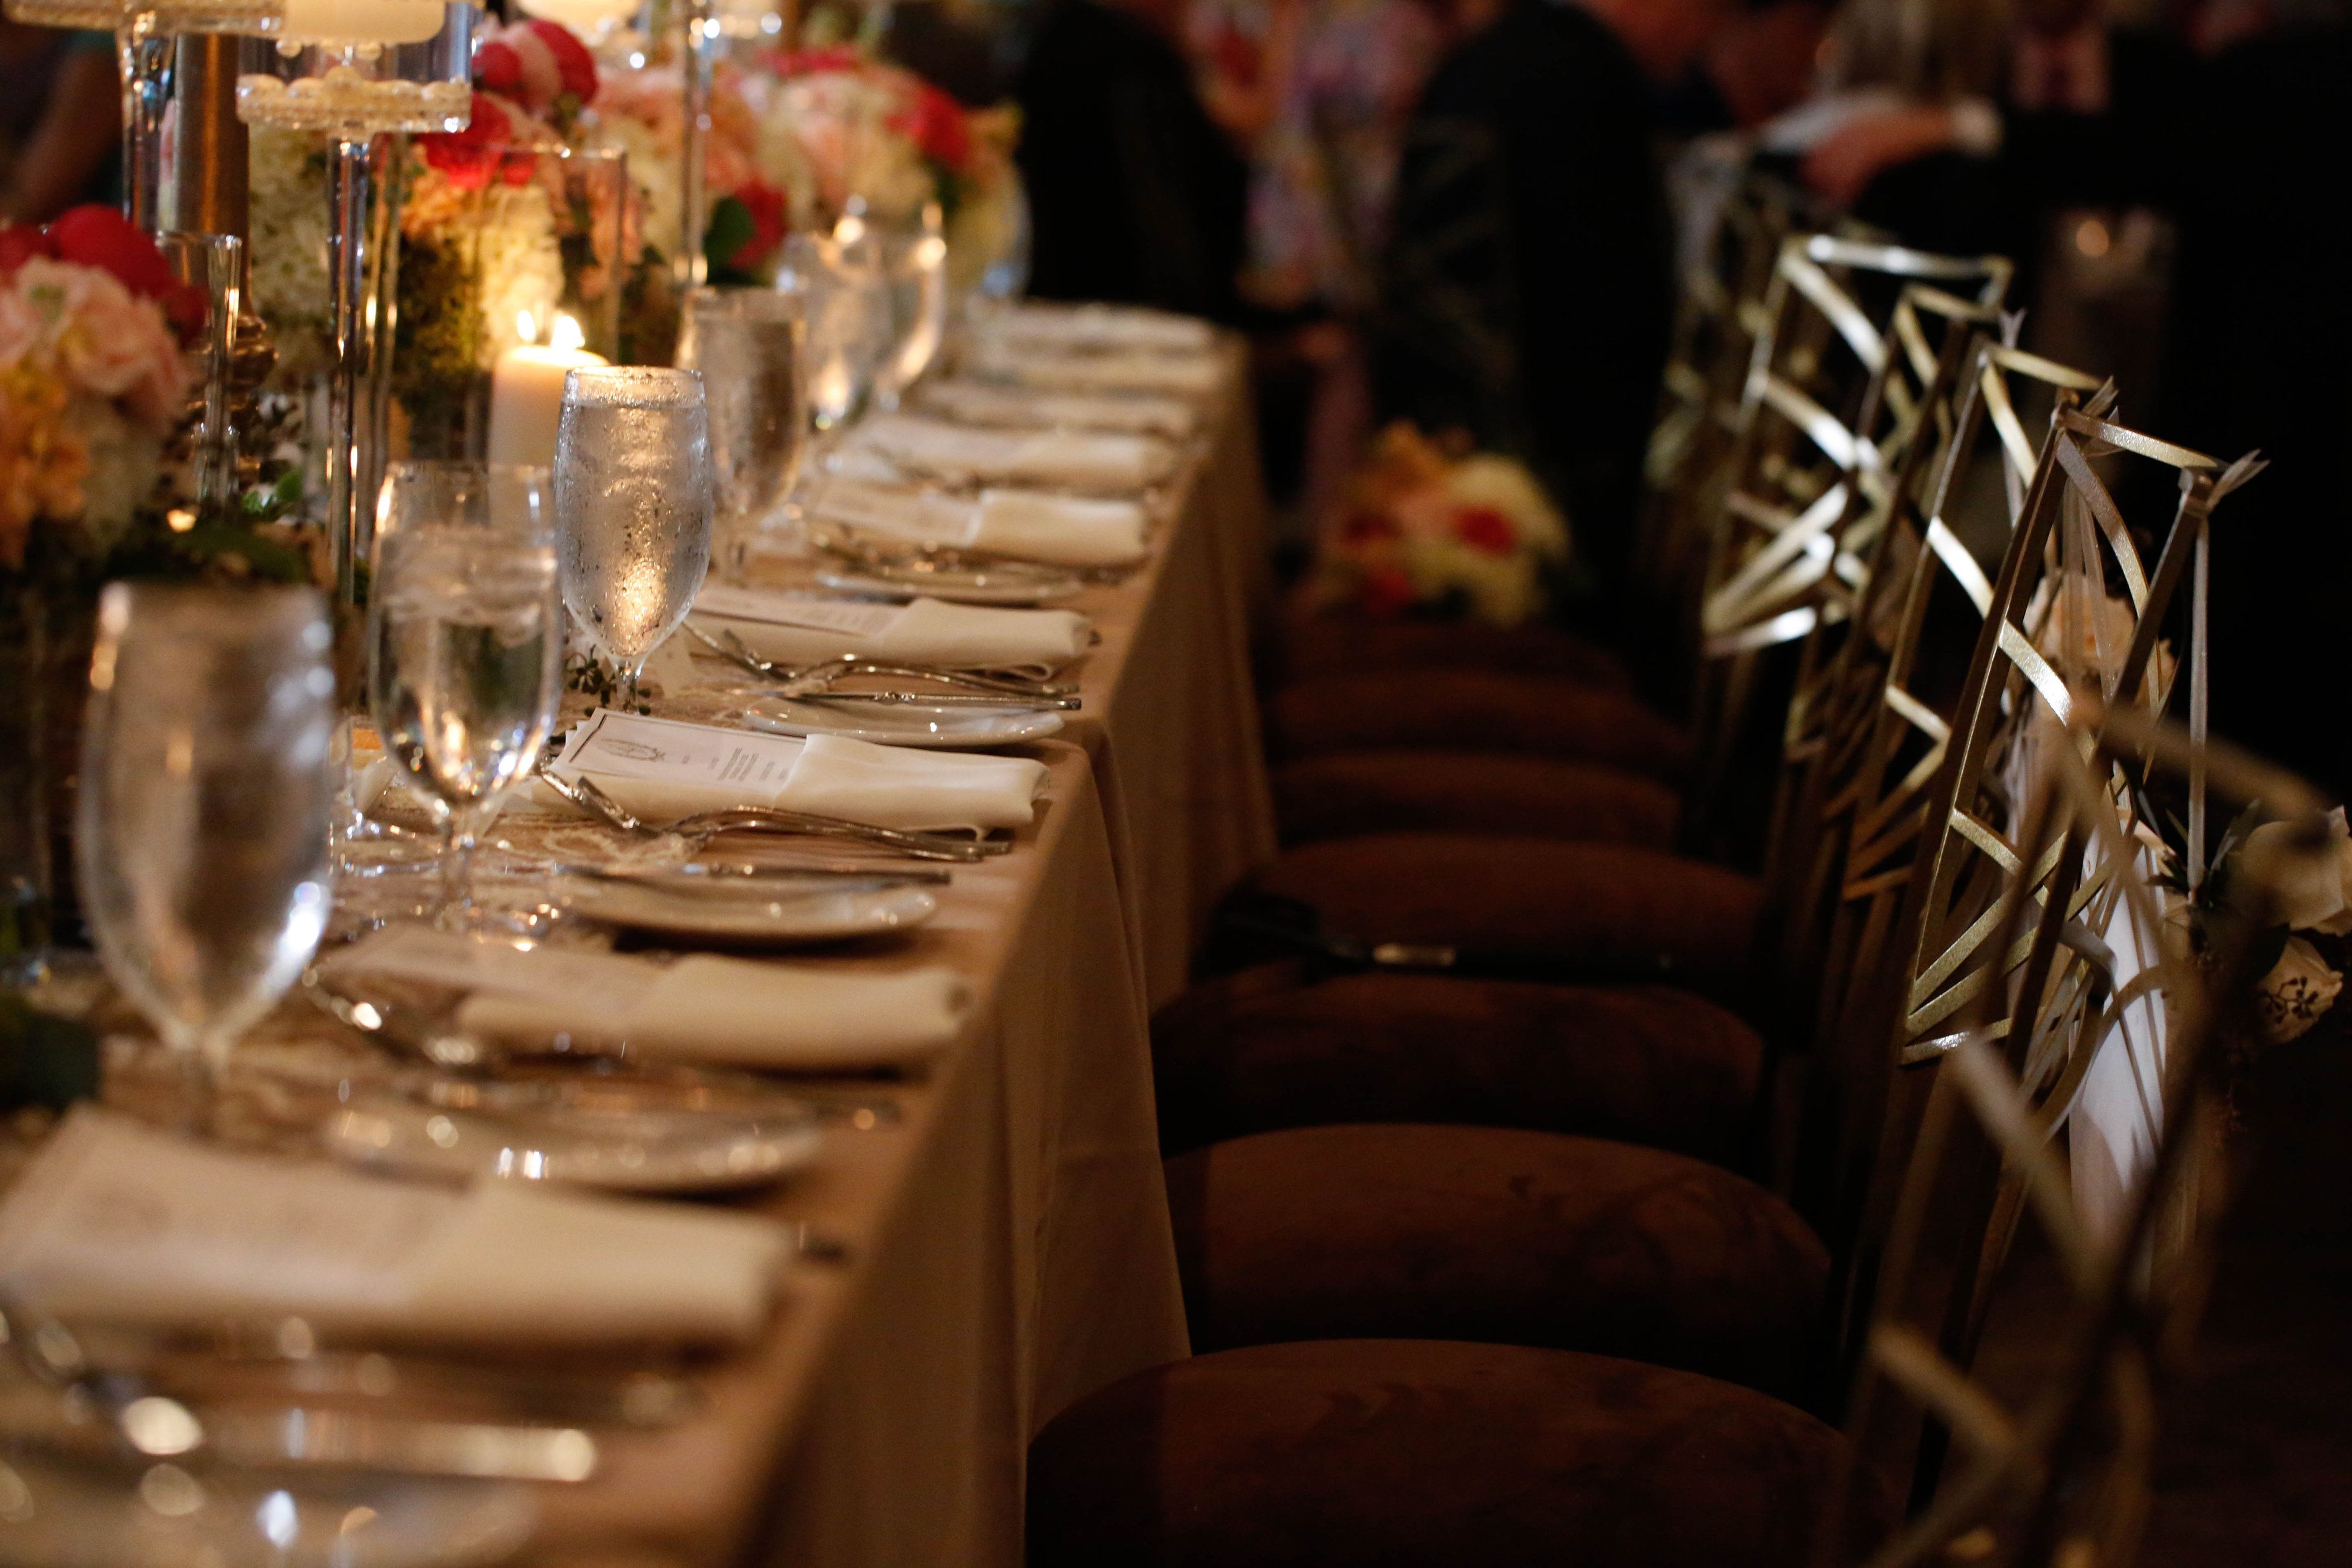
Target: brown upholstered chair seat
1402 1231
1474 710
1610 909
1643 1064
1381 1454
1349 793
1308 646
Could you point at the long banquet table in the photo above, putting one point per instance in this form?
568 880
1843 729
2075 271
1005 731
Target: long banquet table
1008 1244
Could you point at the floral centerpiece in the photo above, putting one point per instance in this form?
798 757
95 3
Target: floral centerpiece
504 231
835 125
95 383
1423 531
642 111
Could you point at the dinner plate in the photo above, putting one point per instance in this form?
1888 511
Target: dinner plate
916 725
758 912
61 1513
625 1146
956 588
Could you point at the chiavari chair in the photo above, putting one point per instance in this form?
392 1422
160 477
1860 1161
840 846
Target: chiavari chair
2058 1473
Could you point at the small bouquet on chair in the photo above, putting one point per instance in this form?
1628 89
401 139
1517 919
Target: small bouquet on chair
1427 532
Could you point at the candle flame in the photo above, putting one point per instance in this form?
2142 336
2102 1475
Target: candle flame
567 333
526 327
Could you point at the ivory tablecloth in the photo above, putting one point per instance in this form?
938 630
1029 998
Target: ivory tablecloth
1010 1247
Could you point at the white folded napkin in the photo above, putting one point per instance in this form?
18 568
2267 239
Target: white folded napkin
799 629
1194 376
1084 460
1029 524
1020 408
1097 326
119 1222
662 770
729 1011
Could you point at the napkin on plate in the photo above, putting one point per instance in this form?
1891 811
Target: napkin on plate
987 403
1029 524
1083 460
116 1222
730 1011
734 1013
662 770
1096 327
1193 376
801 629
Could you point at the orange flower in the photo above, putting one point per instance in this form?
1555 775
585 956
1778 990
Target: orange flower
42 461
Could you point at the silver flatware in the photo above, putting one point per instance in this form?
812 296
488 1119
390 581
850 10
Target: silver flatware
769 881
585 793
965 567
804 678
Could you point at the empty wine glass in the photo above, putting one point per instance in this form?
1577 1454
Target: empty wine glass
915 263
206 790
847 304
465 644
631 507
747 342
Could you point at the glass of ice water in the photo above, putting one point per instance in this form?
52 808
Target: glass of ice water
465 644
207 787
844 298
747 342
632 498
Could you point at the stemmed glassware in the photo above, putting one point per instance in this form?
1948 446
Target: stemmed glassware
206 790
747 344
632 500
465 644
915 264
845 301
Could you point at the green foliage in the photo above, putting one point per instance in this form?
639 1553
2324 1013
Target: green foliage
44 1060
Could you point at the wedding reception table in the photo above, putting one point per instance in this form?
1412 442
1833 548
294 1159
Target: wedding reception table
1007 1239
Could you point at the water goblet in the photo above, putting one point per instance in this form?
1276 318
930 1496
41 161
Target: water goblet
206 791
465 644
633 499
747 344
914 261
846 303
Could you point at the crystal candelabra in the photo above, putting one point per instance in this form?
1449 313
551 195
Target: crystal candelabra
355 69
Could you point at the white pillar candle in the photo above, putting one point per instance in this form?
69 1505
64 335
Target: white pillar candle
362 21
527 401
581 15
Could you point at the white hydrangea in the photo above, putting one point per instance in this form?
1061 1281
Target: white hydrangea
521 263
288 247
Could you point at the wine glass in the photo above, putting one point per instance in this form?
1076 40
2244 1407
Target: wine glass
915 263
631 507
847 304
747 344
206 790
465 644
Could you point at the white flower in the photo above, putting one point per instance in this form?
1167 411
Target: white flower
2297 991
2314 891
126 460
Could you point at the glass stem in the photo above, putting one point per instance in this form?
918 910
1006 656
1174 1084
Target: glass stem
200 1087
146 62
459 837
347 195
701 38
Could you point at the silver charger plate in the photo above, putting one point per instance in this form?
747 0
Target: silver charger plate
623 1148
751 913
912 725
62 1513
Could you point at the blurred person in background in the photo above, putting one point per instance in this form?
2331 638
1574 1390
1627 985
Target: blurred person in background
1136 195
60 121
1315 94
1529 289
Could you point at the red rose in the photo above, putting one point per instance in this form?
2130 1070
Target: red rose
1364 527
102 237
497 67
814 62
939 129
19 243
462 155
187 306
572 61
1486 529
768 209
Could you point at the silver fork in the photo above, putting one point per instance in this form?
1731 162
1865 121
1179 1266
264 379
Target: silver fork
584 793
804 680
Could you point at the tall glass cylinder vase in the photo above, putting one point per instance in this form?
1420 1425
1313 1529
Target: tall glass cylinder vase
413 75
511 271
